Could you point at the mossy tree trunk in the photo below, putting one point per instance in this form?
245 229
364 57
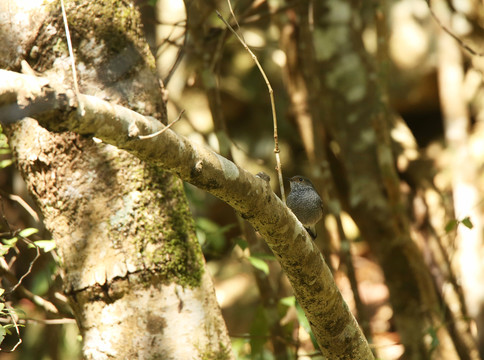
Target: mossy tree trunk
132 266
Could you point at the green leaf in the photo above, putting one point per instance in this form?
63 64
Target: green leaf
226 228
242 243
451 225
288 301
263 256
5 163
10 242
239 347
4 249
206 224
259 264
7 329
28 231
10 326
2 291
211 235
3 333
46 245
303 320
201 236
435 340
4 151
467 222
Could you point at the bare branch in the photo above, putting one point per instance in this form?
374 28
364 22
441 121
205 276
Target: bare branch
273 106
13 316
26 321
333 324
31 265
22 203
71 54
143 137
450 33
24 292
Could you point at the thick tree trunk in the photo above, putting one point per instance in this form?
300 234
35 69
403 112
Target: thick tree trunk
332 323
132 266
334 326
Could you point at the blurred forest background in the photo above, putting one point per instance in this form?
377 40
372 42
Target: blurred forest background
429 83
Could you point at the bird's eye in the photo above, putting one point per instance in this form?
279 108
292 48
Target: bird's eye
300 179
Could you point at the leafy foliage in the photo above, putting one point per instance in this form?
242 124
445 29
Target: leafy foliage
10 325
211 236
452 224
4 150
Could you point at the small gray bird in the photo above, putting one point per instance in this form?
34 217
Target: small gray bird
305 203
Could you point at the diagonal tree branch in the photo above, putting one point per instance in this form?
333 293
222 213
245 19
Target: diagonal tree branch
56 109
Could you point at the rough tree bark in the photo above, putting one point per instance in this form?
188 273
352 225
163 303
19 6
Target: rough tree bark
137 227
132 266
332 323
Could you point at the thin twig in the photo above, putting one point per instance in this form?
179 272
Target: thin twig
41 321
24 292
448 31
144 137
7 225
71 55
29 270
12 314
22 203
233 14
273 106
179 55
261 15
